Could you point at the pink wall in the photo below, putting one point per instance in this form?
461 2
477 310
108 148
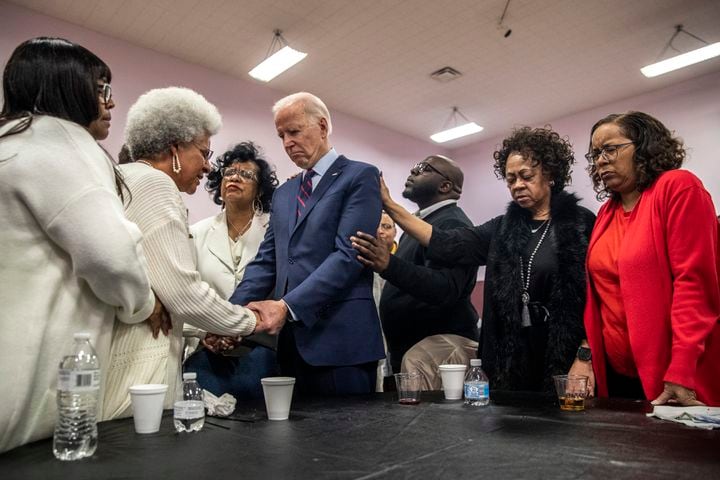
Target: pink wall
691 109
244 105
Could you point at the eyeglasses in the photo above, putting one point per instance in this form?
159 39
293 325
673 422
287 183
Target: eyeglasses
608 152
105 92
422 167
245 175
206 152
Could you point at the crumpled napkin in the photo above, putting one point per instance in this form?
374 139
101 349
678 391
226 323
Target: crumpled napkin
699 417
222 406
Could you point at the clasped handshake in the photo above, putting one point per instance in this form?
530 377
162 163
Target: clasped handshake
270 316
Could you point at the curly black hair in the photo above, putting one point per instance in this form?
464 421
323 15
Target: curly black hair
656 150
244 152
541 146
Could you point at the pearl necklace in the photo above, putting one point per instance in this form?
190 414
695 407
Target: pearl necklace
145 162
525 279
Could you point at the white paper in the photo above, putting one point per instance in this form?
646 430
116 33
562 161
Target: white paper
697 417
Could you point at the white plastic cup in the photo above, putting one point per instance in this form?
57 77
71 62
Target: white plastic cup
147 405
278 396
453 378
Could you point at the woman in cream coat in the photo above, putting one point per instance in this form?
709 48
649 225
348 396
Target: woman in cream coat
243 183
70 261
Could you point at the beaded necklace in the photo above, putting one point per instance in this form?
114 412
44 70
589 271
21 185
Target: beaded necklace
525 278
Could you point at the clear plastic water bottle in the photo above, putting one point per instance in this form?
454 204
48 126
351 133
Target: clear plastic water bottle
75 435
477 388
189 411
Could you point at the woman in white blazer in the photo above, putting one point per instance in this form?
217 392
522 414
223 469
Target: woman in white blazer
242 183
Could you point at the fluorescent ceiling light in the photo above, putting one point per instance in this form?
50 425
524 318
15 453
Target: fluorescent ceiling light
276 63
456 132
681 61
283 58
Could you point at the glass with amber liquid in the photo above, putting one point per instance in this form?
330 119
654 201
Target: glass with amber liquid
572 403
571 391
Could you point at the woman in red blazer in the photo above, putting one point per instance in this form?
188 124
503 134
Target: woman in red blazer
653 308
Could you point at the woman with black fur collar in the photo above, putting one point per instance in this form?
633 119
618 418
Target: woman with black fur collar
535 257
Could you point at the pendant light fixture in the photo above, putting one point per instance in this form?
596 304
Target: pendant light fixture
278 58
457 130
683 60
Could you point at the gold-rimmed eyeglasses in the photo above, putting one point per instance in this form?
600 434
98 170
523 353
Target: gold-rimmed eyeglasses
608 152
245 175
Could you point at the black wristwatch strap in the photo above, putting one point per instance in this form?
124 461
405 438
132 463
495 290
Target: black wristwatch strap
584 354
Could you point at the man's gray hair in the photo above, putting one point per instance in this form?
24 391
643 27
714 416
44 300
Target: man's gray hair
164 117
314 107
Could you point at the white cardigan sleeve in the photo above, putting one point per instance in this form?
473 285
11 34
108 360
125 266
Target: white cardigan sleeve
158 210
76 205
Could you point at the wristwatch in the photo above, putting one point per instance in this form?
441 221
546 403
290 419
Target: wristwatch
584 354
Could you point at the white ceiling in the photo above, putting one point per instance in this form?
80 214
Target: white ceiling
372 58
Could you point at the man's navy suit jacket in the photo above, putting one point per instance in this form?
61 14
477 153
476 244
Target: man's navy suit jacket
309 262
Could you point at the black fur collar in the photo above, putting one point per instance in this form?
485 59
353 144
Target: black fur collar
570 231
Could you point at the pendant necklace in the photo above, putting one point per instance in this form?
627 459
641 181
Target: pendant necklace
525 279
240 231
535 230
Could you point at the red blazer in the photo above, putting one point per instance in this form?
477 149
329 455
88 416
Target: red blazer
669 270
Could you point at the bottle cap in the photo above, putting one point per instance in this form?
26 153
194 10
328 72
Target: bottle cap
189 376
475 362
81 336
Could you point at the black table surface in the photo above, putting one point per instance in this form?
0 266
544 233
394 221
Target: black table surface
516 436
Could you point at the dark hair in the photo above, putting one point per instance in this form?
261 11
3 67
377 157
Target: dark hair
52 76
244 152
124 155
541 146
656 150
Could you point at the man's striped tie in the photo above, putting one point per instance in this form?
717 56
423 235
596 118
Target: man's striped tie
305 190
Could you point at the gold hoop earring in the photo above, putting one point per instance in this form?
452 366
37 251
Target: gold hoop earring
176 167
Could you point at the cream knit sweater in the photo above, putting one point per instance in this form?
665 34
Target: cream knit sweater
157 208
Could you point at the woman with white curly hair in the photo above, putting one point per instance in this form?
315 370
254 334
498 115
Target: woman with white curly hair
168 133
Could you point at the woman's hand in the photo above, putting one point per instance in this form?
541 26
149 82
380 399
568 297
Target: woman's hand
218 343
580 367
674 393
411 225
385 194
159 319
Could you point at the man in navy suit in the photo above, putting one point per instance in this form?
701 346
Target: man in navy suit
322 303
